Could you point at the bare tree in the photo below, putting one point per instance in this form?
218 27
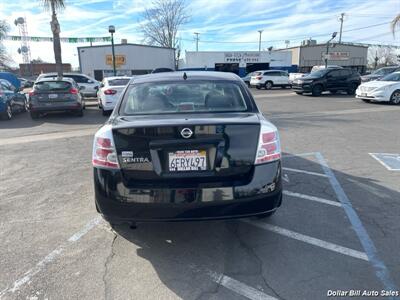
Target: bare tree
381 56
161 22
4 59
54 6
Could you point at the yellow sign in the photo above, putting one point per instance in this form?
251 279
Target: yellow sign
119 60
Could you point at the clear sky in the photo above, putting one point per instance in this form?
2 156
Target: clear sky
223 24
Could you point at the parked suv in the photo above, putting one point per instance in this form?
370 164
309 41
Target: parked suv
332 80
90 85
269 78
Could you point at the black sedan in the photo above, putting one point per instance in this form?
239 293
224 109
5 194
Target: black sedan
186 146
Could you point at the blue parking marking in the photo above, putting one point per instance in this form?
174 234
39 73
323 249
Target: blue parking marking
381 270
390 161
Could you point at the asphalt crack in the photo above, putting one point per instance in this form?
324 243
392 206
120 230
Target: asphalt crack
106 266
260 263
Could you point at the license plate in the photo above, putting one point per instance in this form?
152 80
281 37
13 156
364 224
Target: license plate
53 96
187 160
363 94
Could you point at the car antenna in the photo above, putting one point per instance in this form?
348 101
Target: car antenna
184 76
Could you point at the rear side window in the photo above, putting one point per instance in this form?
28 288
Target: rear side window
52 86
335 73
257 74
119 81
344 73
78 78
179 97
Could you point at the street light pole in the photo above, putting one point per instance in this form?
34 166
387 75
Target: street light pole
259 42
197 41
111 29
327 49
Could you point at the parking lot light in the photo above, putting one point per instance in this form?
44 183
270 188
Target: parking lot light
111 29
327 48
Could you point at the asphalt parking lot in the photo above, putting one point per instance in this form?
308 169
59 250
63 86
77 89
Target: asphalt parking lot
338 227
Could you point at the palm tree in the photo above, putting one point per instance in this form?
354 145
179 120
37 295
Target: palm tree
3 31
54 6
395 22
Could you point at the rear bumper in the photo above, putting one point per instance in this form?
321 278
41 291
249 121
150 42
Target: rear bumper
49 108
118 203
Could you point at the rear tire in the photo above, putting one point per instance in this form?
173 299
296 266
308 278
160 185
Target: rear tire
104 112
258 87
268 85
351 90
6 115
366 100
34 115
79 113
299 93
317 90
395 98
333 92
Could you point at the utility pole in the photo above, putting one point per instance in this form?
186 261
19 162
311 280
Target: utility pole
341 19
376 60
259 42
327 49
197 41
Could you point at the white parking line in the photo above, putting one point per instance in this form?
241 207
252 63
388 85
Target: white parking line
310 240
312 198
239 287
47 136
305 172
49 258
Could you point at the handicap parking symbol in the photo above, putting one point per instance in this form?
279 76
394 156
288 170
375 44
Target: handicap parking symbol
390 161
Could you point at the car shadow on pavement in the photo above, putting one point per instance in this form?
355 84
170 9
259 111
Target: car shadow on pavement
188 256
91 116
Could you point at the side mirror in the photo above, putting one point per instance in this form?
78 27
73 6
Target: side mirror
96 88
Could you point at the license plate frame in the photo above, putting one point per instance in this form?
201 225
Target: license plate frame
187 160
53 96
364 95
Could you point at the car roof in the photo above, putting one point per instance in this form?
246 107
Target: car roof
64 73
190 75
55 78
117 77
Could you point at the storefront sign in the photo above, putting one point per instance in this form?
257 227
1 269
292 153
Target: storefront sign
119 60
242 57
336 55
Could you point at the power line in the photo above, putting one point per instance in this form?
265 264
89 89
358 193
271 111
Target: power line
292 39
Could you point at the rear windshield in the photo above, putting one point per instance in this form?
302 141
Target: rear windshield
257 73
119 81
172 97
52 86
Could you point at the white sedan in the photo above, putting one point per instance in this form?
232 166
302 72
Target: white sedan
386 89
110 91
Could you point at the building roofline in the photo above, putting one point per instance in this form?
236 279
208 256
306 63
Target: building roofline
127 44
323 44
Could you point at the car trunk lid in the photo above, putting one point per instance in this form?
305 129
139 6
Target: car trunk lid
196 146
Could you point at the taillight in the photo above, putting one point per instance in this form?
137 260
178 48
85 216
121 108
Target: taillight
269 146
31 93
258 77
110 92
104 153
74 91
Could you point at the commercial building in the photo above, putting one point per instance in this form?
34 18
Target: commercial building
311 54
131 59
27 70
239 62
